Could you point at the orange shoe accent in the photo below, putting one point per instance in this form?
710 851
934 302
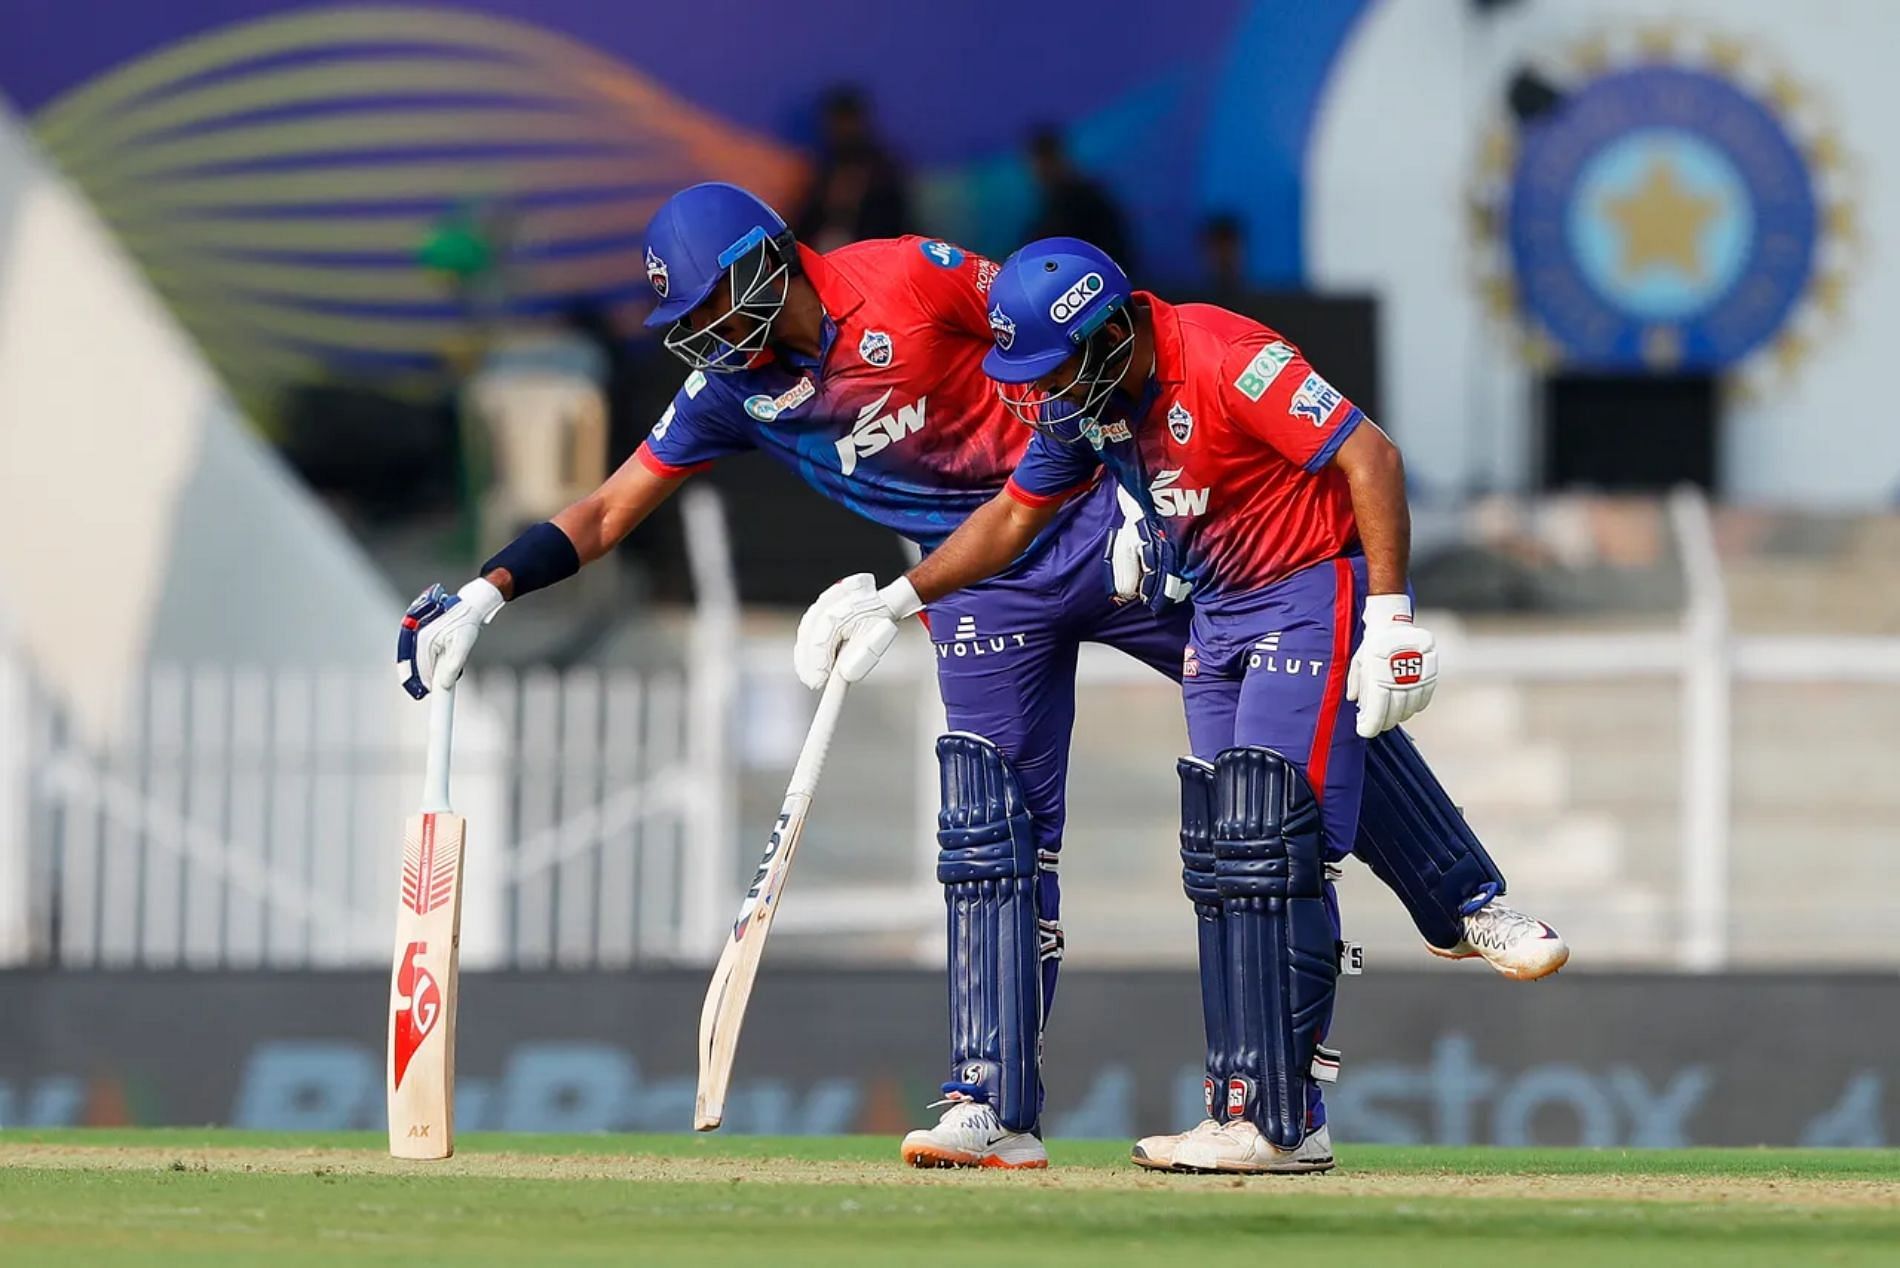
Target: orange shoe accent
924 1156
930 1156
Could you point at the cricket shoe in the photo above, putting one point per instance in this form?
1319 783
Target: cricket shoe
1519 946
970 1135
1239 1148
1157 1153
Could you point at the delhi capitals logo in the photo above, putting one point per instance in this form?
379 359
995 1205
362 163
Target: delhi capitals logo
1180 423
656 273
1005 328
1662 213
875 348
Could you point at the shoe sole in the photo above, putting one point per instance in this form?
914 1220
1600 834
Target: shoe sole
1286 1169
928 1157
1516 975
1146 1163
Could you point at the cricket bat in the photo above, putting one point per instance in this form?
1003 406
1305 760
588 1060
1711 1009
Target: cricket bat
724 1010
422 985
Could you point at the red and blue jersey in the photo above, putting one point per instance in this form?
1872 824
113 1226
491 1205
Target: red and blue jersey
894 419
1229 451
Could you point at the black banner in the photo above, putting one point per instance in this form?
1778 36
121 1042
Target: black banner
1450 1058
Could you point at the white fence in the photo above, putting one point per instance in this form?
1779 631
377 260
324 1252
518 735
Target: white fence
1669 798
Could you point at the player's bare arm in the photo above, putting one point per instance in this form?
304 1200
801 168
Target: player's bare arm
853 622
1395 670
1375 470
439 631
601 520
985 544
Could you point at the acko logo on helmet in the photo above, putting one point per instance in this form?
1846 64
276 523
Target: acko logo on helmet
1076 298
656 273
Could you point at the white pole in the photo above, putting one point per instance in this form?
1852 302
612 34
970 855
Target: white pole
16 868
1706 760
712 679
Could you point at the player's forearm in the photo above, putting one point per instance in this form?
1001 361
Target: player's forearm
1375 472
598 522
985 544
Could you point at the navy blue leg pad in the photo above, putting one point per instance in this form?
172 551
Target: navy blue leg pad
1417 841
1282 957
1197 878
988 865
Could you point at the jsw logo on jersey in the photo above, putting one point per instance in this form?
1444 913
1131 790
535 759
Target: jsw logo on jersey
1172 500
874 432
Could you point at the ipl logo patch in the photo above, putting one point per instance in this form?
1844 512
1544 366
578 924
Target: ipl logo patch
1315 400
1664 213
656 273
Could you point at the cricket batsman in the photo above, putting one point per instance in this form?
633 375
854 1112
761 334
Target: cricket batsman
862 370
1284 508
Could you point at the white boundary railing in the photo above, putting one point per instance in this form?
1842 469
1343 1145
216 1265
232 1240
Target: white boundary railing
249 819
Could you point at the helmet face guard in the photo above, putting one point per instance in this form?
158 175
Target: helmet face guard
1069 413
759 273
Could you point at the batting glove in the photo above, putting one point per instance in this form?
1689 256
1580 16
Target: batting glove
438 632
1395 670
851 625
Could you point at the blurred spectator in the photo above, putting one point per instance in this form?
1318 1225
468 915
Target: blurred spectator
859 190
1223 244
1073 206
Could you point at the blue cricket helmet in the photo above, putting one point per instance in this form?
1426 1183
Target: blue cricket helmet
1051 303
1045 303
696 236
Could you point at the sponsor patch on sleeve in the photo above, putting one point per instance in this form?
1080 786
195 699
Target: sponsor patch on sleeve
941 253
694 382
666 421
1315 400
1263 370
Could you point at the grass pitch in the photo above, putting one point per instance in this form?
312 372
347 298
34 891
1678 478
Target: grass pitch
206 1197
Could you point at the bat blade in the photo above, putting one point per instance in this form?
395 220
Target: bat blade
723 1013
422 988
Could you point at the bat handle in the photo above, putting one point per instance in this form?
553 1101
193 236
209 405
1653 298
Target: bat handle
811 758
435 771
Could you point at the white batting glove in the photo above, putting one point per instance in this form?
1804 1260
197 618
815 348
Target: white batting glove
851 625
439 631
1395 670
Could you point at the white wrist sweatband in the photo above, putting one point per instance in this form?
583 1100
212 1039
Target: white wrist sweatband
482 596
1384 609
901 598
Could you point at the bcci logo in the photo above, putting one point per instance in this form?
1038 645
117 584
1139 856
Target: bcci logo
656 273
1662 210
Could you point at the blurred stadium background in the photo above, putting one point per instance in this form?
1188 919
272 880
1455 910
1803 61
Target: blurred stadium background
303 307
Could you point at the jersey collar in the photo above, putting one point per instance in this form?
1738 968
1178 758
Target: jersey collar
1170 363
837 295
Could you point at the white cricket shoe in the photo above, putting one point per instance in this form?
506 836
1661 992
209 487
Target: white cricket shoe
970 1135
1519 946
1239 1147
1157 1153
